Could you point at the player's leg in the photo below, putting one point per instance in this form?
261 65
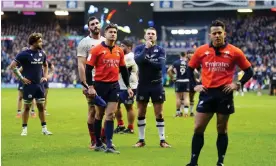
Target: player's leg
90 122
130 118
186 101
192 100
46 99
109 126
112 104
142 104
222 139
27 97
33 114
205 112
178 96
158 97
259 93
19 103
119 117
274 89
201 122
98 127
40 100
224 108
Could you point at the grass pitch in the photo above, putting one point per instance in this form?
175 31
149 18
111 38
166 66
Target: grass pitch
252 135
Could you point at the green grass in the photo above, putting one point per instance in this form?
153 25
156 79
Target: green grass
252 138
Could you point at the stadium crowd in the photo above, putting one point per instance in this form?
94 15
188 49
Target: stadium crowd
255 35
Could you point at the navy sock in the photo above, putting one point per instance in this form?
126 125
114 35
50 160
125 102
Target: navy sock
97 130
109 127
197 144
222 143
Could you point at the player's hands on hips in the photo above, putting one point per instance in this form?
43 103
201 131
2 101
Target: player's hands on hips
130 92
43 79
200 88
230 87
26 81
148 44
91 91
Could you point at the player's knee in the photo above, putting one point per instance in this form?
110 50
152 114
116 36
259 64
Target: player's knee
40 107
110 116
199 128
222 128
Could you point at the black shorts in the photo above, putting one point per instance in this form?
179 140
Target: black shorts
46 85
20 86
123 97
215 101
273 86
32 91
108 91
154 91
182 87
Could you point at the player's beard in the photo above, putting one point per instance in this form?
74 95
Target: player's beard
95 31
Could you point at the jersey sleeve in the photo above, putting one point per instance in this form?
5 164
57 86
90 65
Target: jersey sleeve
19 58
82 49
122 58
241 60
195 60
92 57
129 60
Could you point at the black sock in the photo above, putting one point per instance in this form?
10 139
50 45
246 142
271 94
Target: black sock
24 125
222 143
18 110
109 127
98 129
197 144
43 123
33 111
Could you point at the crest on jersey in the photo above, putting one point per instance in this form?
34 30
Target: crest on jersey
40 54
37 60
155 50
30 96
227 54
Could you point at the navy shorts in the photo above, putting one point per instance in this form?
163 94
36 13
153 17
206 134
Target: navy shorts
182 87
20 86
123 97
108 91
32 91
154 91
46 85
215 101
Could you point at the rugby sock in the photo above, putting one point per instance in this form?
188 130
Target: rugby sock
43 124
91 132
222 143
109 127
121 123
97 129
32 110
197 144
178 111
186 109
18 111
160 124
24 125
141 127
130 126
191 107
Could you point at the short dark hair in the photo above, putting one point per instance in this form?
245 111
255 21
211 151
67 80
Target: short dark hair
91 19
111 25
217 23
34 37
128 43
182 54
